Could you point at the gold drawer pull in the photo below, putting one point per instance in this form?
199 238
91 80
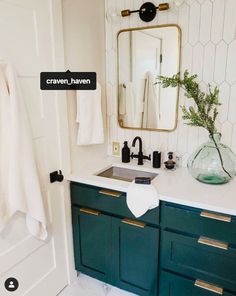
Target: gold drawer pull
134 223
216 216
213 243
89 211
208 287
110 192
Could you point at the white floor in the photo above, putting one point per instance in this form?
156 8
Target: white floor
87 286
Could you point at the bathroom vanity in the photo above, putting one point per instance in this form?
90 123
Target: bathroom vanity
186 246
110 244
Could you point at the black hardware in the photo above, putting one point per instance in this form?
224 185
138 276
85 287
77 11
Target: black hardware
140 155
56 176
143 180
156 159
161 58
147 11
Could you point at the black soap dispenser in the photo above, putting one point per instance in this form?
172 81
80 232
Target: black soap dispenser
125 153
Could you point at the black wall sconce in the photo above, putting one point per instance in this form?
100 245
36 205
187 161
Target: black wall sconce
147 11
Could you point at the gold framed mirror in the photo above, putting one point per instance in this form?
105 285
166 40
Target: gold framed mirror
143 54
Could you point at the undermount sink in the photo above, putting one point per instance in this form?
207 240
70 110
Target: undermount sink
124 174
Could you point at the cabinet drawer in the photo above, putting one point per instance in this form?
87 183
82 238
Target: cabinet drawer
109 201
193 257
174 285
199 222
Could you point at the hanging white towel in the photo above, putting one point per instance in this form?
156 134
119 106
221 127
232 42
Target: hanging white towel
19 182
141 198
89 117
122 94
151 98
129 106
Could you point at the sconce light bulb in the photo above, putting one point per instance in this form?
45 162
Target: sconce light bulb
113 16
175 5
178 2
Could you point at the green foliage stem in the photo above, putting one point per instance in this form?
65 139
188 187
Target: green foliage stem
205 112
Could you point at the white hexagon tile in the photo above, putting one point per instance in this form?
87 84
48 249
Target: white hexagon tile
208 49
197 66
224 99
220 62
183 21
209 63
205 23
194 23
217 24
231 63
229 20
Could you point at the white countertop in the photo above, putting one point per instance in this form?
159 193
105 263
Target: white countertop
176 186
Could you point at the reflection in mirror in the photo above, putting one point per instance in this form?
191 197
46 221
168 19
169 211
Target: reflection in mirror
143 55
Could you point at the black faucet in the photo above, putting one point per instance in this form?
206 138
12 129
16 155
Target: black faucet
140 155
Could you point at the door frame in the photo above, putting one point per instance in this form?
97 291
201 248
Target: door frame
63 128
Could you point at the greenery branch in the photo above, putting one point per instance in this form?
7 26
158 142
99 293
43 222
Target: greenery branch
205 111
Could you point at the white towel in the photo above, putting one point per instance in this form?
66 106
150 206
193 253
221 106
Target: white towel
89 117
151 103
141 198
19 182
122 98
130 105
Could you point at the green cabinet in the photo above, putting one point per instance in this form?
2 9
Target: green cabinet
198 222
199 245
174 285
196 257
92 243
108 201
135 256
110 244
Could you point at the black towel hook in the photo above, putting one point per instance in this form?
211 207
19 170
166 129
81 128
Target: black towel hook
56 176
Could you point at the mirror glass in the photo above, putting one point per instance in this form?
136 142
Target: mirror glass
143 55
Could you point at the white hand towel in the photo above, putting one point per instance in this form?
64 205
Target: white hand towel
151 103
89 117
141 198
122 98
129 102
19 181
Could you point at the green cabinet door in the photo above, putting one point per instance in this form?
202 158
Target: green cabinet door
191 256
92 243
175 285
135 251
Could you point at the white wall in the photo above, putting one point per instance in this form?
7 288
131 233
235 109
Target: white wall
208 49
84 43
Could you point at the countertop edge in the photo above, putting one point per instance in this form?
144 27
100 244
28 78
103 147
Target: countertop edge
92 180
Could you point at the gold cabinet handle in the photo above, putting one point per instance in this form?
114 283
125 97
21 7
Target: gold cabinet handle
209 287
110 192
216 216
89 211
213 243
133 223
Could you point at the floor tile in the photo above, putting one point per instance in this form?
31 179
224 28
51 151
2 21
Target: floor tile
87 286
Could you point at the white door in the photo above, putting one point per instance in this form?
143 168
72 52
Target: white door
31 39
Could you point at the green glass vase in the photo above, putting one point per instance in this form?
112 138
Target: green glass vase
213 162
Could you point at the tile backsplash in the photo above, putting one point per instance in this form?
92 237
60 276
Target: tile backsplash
208 50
